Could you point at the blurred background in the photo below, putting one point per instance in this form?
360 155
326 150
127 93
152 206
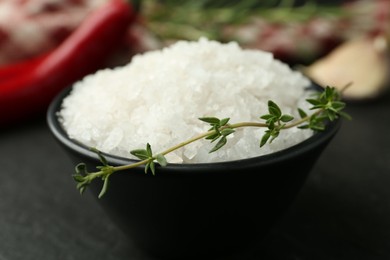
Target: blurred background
295 31
300 33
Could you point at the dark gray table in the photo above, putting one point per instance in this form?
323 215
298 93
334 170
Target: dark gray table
343 211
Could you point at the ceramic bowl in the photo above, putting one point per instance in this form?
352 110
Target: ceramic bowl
199 210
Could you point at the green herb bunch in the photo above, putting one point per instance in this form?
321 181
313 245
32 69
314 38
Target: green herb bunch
326 106
174 19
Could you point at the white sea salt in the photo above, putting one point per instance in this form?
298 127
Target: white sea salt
158 97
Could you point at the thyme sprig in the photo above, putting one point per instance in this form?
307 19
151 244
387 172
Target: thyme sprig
326 106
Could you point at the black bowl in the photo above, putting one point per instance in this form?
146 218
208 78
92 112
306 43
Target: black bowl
199 210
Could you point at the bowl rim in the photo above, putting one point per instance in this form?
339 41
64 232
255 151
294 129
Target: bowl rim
305 146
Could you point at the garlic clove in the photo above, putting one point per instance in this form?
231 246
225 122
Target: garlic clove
363 63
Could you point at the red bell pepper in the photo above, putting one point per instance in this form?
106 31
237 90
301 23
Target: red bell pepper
28 88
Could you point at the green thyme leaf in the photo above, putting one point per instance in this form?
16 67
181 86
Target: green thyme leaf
274 109
149 150
345 115
81 188
267 116
141 154
105 186
213 136
161 160
331 115
102 159
314 102
302 113
328 93
152 167
223 121
147 166
78 178
210 120
227 131
338 105
274 133
286 118
222 141
265 138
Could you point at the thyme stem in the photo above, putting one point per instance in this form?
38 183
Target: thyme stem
203 135
189 141
303 120
178 146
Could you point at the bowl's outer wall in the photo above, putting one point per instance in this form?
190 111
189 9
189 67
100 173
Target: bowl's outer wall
203 210
213 212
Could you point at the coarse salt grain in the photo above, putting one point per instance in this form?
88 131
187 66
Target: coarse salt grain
158 97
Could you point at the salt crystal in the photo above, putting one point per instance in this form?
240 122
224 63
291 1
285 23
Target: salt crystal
159 95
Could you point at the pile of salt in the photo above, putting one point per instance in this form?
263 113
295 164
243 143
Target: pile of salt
158 97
